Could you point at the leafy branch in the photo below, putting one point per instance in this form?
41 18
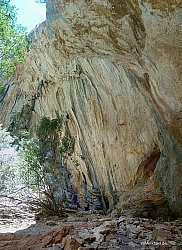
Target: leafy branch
13 40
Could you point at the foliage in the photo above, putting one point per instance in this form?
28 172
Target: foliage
11 186
19 126
1 88
13 40
5 138
37 175
41 157
7 159
30 169
48 133
53 135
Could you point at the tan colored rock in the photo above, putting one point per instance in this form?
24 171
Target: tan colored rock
69 243
145 199
147 225
162 226
86 235
51 223
136 223
162 234
142 235
114 67
101 230
38 241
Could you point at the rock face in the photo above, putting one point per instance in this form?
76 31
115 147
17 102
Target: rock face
34 241
113 68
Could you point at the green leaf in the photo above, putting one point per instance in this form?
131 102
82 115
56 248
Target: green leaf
13 40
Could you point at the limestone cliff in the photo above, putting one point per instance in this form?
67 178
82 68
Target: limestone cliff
113 67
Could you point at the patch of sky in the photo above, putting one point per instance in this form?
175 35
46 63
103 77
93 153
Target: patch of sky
29 12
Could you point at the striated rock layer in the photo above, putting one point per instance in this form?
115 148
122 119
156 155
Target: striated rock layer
113 68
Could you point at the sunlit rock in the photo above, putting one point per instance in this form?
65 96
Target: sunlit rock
113 67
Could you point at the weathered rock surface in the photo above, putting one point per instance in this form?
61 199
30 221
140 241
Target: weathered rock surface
31 241
98 233
114 68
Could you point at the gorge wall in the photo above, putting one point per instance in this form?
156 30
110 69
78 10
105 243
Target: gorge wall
113 67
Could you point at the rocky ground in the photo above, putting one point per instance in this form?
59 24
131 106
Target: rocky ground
84 230
14 215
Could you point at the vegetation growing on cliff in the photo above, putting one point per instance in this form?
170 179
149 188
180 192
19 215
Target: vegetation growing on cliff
20 122
13 41
41 159
7 157
36 175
